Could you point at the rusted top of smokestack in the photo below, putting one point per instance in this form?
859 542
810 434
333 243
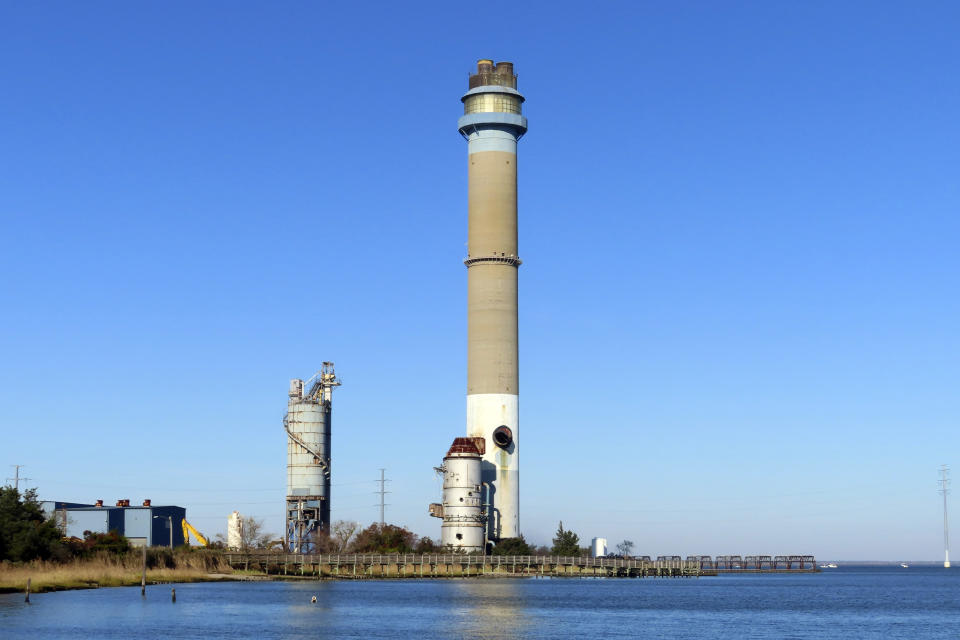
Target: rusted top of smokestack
475 446
493 73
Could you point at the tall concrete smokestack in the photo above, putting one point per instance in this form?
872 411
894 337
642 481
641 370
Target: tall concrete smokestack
492 124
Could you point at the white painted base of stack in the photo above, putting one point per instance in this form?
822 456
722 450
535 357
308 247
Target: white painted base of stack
501 467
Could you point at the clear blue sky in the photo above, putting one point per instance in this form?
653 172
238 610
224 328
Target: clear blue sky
739 226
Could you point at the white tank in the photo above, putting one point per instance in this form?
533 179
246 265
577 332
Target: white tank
598 547
235 530
464 520
308 450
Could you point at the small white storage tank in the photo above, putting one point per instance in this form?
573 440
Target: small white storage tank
598 547
235 530
464 520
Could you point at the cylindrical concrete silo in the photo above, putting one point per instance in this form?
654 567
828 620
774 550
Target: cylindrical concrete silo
463 515
492 124
307 424
235 530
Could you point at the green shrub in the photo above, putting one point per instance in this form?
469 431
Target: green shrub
512 547
25 533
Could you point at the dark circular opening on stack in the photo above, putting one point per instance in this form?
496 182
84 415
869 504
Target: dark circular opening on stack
502 436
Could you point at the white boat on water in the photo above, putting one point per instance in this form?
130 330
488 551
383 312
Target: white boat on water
828 566
904 565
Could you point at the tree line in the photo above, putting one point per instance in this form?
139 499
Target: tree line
26 533
347 537
565 543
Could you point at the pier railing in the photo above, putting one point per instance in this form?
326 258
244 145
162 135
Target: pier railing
434 564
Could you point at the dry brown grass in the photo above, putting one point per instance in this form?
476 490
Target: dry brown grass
109 571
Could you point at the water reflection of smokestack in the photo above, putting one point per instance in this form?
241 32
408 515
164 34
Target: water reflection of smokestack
492 609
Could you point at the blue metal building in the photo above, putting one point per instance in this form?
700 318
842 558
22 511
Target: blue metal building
142 525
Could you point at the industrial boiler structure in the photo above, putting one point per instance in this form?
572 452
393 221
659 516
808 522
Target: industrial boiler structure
492 123
464 506
307 424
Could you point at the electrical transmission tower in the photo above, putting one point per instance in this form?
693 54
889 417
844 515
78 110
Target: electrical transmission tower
383 494
945 491
16 479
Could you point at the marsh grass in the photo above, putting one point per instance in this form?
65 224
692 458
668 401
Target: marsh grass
110 570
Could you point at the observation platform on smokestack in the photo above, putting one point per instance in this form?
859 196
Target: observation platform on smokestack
493 99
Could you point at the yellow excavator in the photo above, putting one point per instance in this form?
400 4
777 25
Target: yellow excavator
188 529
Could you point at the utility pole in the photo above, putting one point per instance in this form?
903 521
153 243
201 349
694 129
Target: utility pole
945 491
383 493
16 476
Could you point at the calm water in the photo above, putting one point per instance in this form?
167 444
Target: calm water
915 603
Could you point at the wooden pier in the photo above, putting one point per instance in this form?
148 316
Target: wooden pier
373 565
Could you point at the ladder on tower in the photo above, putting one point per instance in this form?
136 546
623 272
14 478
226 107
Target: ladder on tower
317 457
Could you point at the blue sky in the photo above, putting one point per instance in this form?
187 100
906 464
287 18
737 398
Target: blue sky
739 226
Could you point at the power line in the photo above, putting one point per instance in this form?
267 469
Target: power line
185 490
945 491
383 493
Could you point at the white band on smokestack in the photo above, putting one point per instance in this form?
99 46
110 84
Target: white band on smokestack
486 412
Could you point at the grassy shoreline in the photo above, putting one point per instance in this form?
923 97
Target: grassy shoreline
43 582
111 571
47 577
55 577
